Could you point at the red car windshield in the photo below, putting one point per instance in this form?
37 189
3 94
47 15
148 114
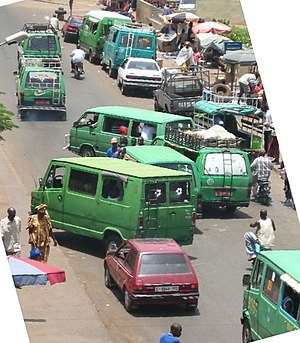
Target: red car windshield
76 21
162 264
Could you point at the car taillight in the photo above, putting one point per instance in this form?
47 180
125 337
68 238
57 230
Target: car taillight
138 286
194 285
141 221
194 217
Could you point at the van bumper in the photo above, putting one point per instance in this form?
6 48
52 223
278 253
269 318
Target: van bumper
42 108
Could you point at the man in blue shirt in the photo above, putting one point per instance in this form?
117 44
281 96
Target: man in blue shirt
113 151
173 335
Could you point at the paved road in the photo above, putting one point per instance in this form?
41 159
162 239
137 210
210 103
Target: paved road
83 310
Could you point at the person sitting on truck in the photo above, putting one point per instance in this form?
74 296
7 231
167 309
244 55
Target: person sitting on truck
77 56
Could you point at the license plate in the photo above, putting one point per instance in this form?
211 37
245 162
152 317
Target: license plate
167 289
223 193
42 102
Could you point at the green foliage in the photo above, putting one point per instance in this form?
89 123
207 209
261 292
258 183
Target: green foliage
238 33
6 122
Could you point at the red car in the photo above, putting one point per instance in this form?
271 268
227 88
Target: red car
152 271
71 28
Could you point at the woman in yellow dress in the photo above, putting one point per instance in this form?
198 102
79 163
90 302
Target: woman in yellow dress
40 231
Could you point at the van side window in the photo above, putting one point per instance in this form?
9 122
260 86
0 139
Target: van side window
124 39
179 192
155 193
94 28
83 182
112 189
257 275
113 124
55 178
290 301
272 285
148 131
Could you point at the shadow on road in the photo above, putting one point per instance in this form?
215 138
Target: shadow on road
86 245
43 116
221 213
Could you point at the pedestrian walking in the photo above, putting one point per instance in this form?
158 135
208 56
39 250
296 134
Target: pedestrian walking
10 230
264 235
173 335
185 58
40 232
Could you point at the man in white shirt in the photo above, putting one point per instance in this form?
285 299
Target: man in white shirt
54 23
77 56
10 229
245 82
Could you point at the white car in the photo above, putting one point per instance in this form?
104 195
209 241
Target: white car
142 73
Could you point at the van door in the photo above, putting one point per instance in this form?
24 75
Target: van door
80 204
144 46
225 177
155 209
168 209
268 304
54 192
289 308
253 297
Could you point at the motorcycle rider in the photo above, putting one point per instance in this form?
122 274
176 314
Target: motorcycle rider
264 235
261 170
77 56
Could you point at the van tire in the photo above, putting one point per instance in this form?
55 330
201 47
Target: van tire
112 239
91 59
230 209
246 333
86 151
112 72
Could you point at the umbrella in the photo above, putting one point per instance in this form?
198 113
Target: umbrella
27 272
211 26
244 57
182 16
215 41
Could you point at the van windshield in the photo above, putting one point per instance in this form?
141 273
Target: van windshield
185 167
225 164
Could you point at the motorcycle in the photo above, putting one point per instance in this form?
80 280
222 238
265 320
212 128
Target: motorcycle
78 70
264 191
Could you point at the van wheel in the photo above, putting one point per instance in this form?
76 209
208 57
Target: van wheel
129 307
87 152
230 209
246 334
108 279
111 241
119 82
112 72
91 59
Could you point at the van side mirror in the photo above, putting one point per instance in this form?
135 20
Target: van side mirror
15 72
41 183
246 280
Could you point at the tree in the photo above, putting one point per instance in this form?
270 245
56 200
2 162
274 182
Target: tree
6 122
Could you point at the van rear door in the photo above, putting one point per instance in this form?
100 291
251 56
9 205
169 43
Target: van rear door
168 209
